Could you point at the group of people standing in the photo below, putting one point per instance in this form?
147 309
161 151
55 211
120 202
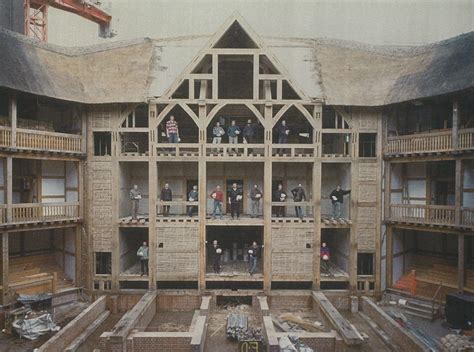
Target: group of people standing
215 253
233 132
235 198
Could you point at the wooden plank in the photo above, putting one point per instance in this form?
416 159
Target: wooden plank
79 340
348 332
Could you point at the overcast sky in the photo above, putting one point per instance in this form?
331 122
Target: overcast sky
408 22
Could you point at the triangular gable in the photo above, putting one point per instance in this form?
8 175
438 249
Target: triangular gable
235 33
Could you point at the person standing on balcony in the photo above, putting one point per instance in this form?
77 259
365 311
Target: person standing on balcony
142 254
279 195
217 132
215 253
193 196
253 251
172 131
325 255
166 196
218 198
235 199
299 195
135 197
337 199
255 198
282 132
249 133
233 132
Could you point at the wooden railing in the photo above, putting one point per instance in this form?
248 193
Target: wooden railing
293 150
48 141
39 212
429 142
422 142
235 150
5 136
306 206
177 149
467 216
423 214
41 140
466 139
177 207
3 213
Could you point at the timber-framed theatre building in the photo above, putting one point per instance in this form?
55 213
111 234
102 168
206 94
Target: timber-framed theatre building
79 127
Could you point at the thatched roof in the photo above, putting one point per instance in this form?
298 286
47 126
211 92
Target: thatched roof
339 72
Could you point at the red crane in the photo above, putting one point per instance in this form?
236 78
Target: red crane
36 15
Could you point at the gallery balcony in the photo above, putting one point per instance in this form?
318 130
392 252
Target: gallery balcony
429 143
38 213
41 141
431 215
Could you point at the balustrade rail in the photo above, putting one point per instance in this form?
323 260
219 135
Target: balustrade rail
178 149
429 142
293 150
235 150
41 140
417 143
177 207
5 136
423 214
39 212
467 216
466 139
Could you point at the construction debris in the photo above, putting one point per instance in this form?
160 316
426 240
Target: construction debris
291 322
32 326
292 344
457 343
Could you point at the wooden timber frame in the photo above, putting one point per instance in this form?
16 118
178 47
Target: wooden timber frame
454 220
103 172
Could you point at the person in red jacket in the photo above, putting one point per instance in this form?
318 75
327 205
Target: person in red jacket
325 254
218 197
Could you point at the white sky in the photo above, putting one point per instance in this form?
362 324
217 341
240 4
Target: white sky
408 22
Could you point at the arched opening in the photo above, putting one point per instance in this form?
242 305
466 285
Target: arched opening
250 133
298 130
188 131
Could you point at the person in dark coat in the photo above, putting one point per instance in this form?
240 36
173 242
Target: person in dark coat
299 195
282 132
279 195
254 252
215 253
250 132
337 199
166 196
235 198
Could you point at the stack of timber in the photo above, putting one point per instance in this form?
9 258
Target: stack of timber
34 274
141 220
